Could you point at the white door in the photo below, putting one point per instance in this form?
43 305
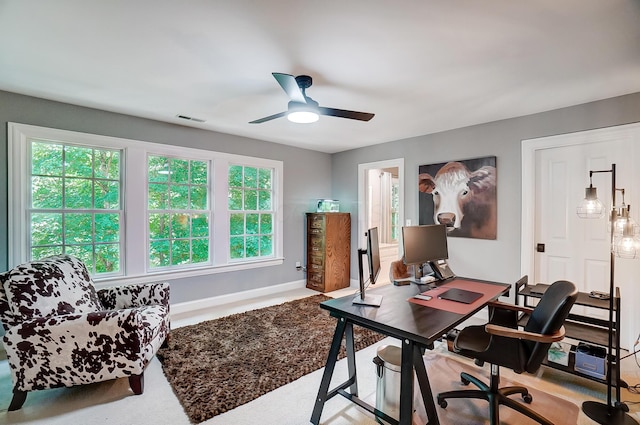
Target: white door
578 249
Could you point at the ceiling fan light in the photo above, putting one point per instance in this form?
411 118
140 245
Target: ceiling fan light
303 117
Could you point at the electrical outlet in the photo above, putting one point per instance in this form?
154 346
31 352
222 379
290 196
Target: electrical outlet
298 265
407 222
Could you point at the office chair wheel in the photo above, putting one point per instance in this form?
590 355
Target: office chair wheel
464 381
527 398
442 403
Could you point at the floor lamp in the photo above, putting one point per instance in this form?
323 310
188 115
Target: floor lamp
624 244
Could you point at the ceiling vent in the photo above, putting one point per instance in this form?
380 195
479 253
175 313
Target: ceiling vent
188 118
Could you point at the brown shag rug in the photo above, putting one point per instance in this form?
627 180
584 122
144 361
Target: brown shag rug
217 365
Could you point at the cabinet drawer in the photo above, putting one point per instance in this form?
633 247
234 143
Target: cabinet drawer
316 222
316 242
316 260
315 277
317 231
318 268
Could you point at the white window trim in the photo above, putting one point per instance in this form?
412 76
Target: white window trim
134 263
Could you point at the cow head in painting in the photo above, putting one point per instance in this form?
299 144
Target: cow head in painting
463 200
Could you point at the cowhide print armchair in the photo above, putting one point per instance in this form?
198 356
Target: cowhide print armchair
60 331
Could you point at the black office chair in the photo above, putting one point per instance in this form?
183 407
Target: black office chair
501 343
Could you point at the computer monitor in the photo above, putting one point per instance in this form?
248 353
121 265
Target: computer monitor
426 244
373 257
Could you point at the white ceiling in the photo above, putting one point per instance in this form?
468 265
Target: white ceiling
421 66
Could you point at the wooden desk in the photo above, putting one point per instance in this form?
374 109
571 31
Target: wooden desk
417 326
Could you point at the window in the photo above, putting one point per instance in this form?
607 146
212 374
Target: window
185 212
250 212
178 211
75 206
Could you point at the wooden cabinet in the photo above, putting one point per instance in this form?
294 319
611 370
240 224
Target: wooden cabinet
328 251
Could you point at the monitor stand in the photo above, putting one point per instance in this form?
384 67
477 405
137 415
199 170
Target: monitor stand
370 300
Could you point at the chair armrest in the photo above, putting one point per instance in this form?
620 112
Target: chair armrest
520 334
511 307
133 296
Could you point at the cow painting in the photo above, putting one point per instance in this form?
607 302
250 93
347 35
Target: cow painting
460 195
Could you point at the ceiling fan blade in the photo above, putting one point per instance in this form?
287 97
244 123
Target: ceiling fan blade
342 113
269 118
290 86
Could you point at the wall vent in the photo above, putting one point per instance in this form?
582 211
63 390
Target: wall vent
186 117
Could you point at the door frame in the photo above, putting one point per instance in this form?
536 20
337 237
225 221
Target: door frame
362 179
529 148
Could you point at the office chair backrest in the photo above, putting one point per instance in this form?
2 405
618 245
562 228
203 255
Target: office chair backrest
548 317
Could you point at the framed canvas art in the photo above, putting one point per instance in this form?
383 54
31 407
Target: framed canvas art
460 195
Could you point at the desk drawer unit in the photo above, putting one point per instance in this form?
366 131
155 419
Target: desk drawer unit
328 251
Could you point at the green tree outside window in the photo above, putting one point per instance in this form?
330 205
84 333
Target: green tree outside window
251 213
75 206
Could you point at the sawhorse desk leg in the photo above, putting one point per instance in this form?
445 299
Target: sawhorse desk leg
343 327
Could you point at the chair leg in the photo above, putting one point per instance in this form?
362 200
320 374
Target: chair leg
494 396
136 382
19 397
165 343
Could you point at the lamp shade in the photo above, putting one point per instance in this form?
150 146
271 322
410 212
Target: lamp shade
590 207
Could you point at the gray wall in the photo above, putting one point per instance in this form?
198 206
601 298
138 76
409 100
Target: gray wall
307 176
488 259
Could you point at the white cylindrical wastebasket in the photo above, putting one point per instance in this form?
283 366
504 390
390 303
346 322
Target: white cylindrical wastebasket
388 364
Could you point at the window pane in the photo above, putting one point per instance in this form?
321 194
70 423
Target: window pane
107 258
78 193
236 247
180 226
264 178
252 224
235 199
78 161
251 200
106 164
107 227
83 252
46 251
158 196
179 170
107 194
266 245
180 252
253 247
159 253
264 200
250 177
159 226
179 196
235 176
198 197
78 228
46 229
199 172
266 226
158 169
46 192
199 225
46 159
200 249
236 224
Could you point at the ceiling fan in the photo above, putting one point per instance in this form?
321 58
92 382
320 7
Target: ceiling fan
303 109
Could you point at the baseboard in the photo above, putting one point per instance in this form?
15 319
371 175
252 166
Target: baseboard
189 306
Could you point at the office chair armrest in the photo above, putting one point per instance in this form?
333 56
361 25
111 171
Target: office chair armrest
512 307
520 334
